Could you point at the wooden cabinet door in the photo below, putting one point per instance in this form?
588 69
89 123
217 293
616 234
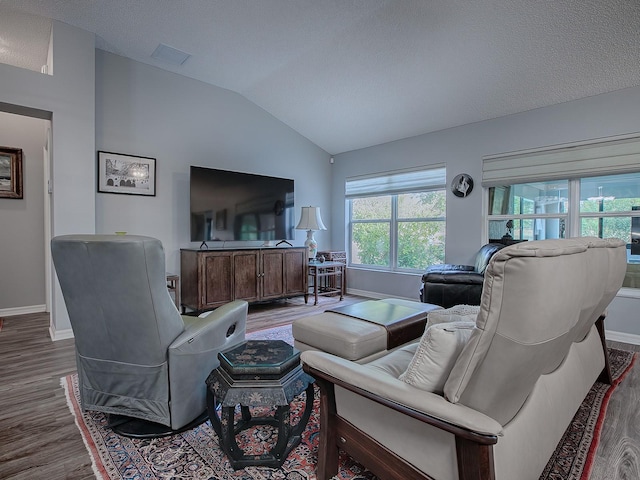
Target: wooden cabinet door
245 275
295 271
272 274
217 288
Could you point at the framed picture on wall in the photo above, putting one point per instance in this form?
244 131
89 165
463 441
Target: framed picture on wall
126 174
10 172
462 185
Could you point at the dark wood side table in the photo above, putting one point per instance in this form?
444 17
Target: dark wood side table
258 373
320 271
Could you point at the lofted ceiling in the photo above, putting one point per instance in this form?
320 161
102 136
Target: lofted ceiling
348 74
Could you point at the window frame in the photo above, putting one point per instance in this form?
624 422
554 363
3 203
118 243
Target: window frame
393 223
573 215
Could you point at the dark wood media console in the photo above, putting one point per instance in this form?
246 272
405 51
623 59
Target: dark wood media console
210 278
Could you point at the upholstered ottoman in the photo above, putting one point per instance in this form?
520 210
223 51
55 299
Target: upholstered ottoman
363 331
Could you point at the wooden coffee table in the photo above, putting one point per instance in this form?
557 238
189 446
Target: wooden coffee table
258 373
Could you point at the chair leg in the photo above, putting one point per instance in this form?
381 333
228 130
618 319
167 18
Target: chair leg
327 448
605 376
475 461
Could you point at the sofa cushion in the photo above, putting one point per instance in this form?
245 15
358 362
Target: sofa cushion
458 313
436 354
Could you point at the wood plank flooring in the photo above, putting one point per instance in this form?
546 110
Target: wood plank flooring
618 455
38 437
39 440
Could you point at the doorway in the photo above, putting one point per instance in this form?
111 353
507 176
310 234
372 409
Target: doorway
26 222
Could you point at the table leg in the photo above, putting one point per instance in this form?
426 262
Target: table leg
296 433
213 414
284 430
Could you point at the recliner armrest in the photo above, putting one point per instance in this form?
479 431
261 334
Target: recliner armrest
467 278
209 330
388 390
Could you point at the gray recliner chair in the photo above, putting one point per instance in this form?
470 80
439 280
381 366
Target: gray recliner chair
138 359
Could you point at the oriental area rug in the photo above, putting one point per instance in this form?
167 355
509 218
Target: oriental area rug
195 454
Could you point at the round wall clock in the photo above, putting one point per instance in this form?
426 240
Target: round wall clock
462 185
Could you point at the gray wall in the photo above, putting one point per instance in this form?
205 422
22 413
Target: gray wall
68 98
142 110
462 149
22 220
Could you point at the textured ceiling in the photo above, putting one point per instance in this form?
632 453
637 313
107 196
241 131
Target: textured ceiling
354 73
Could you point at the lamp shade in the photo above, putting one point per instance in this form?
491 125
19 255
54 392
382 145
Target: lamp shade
310 219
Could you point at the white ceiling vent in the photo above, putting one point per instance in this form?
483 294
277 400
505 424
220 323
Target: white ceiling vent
170 55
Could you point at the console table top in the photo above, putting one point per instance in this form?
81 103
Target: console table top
221 249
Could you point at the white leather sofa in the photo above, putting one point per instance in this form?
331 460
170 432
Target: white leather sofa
507 393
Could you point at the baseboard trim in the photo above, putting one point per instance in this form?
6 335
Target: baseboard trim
630 338
60 334
10 312
376 295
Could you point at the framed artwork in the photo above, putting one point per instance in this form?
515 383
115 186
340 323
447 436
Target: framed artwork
462 185
10 172
126 174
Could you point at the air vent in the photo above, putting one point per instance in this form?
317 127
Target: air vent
170 55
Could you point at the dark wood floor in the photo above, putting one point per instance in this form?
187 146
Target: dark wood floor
38 437
39 440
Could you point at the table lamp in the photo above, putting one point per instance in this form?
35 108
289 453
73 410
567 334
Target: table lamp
310 221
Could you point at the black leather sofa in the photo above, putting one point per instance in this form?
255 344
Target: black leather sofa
448 285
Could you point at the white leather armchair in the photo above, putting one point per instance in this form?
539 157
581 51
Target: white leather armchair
533 353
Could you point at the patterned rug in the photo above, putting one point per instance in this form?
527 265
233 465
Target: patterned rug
196 455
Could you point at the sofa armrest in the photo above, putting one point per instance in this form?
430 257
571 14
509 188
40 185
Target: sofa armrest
453 277
389 391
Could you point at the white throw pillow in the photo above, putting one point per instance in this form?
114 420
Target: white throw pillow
438 351
457 313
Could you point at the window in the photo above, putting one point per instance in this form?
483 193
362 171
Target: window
608 205
587 188
397 220
529 211
604 206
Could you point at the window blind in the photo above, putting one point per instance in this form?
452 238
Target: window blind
396 182
604 157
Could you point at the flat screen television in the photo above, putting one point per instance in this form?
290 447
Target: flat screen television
227 205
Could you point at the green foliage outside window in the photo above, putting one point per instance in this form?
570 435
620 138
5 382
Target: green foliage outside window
371 208
370 244
420 244
618 227
419 229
